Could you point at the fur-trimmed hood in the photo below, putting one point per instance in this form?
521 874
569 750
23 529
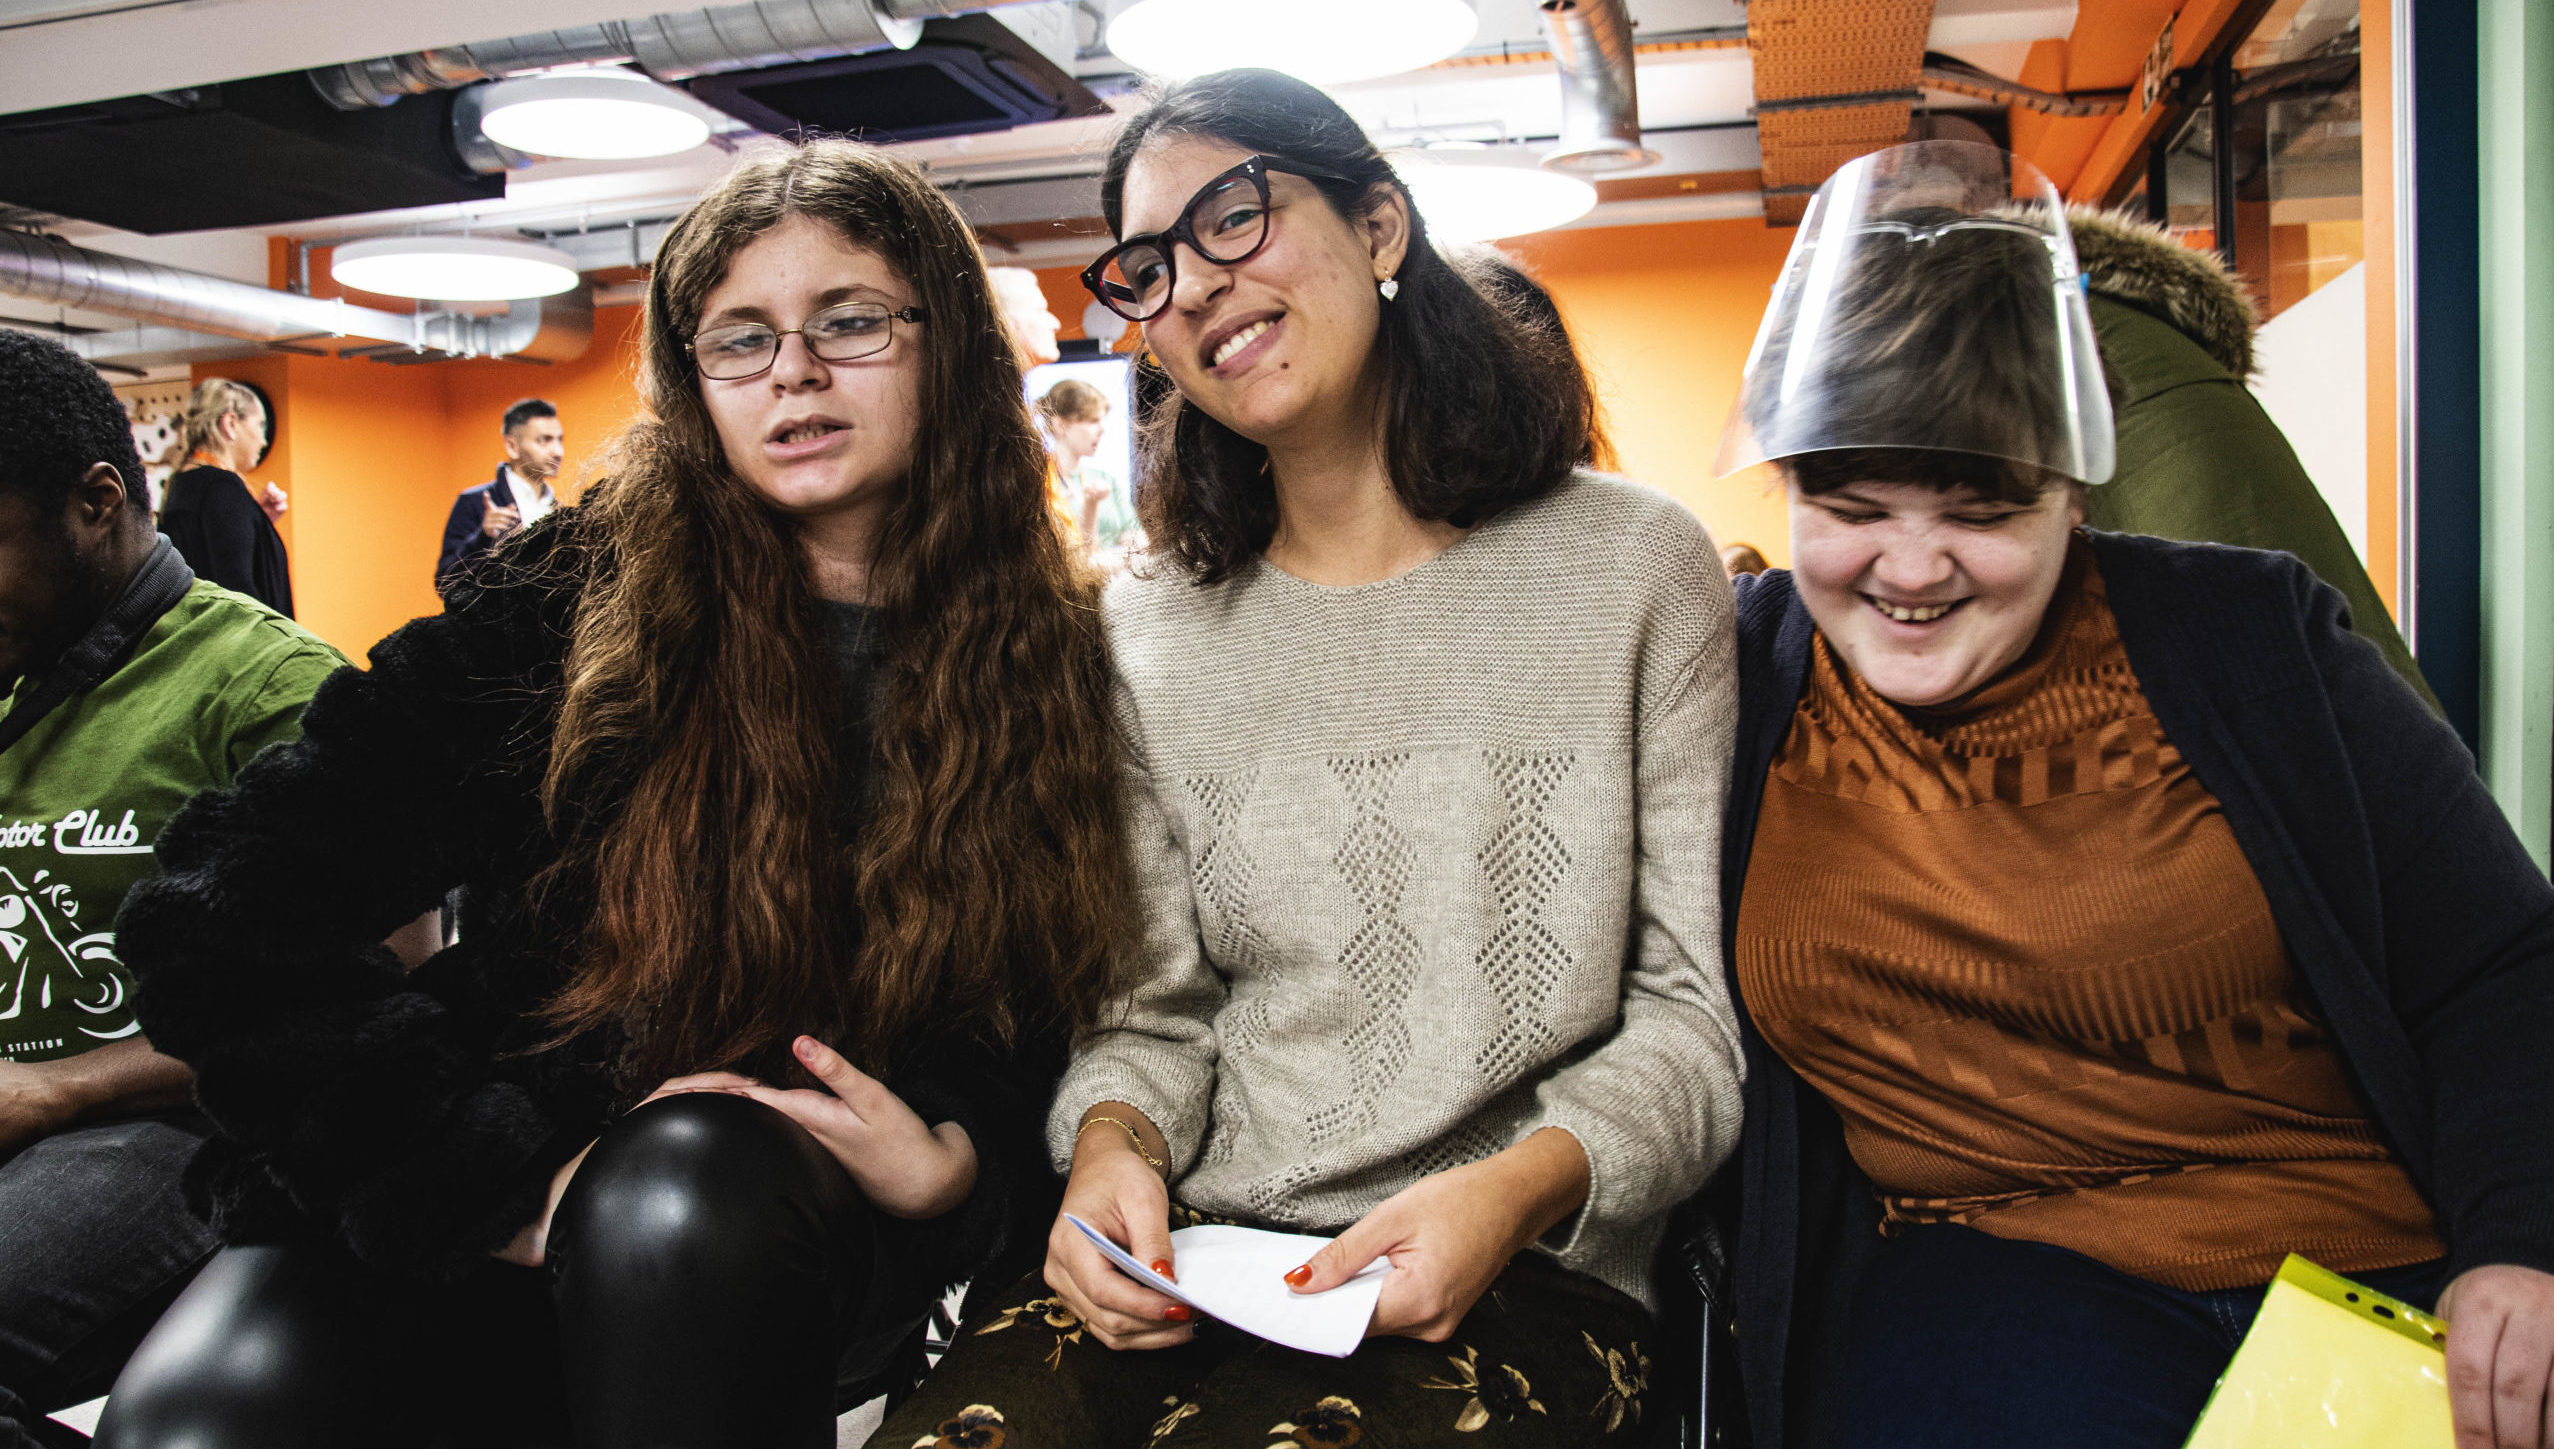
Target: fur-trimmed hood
2138 263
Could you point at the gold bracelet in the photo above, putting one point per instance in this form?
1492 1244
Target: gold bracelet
1155 1163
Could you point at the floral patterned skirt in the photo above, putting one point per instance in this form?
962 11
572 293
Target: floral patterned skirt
1548 1359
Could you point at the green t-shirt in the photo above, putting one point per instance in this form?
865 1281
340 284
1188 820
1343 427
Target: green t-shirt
84 794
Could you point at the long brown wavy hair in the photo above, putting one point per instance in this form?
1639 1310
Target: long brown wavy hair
984 891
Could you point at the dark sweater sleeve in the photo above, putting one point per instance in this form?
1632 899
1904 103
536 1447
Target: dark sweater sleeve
1000 1097
388 1110
2469 944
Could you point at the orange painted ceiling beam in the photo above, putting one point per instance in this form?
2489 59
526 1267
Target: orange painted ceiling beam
2196 31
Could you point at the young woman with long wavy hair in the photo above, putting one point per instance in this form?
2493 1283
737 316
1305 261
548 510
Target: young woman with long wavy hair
1427 730
777 781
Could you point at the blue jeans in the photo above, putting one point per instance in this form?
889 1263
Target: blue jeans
1963 1340
95 1240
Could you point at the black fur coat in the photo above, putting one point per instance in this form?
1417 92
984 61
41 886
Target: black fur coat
415 1118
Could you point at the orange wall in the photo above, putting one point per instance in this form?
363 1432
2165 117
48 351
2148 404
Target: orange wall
1664 316
373 453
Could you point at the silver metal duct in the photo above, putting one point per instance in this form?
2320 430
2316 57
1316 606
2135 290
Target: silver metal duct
48 270
1600 100
45 269
672 46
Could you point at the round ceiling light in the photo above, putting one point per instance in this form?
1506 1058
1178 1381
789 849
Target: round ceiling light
1322 41
1478 194
453 268
595 115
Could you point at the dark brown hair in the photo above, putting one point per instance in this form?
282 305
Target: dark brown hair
1504 280
1480 413
2000 479
984 890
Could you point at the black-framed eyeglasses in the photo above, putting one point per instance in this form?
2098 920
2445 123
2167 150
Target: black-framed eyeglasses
1225 222
845 333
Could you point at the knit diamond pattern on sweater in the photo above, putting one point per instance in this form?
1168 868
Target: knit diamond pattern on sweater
1431 864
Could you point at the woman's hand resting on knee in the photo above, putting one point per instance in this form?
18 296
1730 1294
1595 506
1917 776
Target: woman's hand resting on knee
2501 1356
905 1168
1116 1191
1449 1234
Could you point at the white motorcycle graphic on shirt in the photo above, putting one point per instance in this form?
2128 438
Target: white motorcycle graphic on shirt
44 964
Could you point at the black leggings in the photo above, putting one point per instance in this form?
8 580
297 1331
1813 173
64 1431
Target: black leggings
710 1277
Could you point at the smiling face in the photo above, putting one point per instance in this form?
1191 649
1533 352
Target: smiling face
1927 594
1281 345
814 438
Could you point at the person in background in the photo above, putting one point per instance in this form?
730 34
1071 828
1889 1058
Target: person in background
1027 320
1426 729
1504 280
225 533
519 496
1071 416
130 685
2111 921
2198 458
1742 558
778 778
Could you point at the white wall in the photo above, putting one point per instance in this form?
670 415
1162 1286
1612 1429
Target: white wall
2313 381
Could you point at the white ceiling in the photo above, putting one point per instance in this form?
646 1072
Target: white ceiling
1694 105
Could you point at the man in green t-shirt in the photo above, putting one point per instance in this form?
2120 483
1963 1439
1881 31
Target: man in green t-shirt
131 686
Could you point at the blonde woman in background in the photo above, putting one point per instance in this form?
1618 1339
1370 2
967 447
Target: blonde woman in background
1073 415
226 533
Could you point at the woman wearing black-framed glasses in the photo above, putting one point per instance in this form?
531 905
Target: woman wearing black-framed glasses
1430 733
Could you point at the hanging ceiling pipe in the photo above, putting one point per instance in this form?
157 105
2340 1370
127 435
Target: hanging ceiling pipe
47 269
673 46
1600 97
1944 73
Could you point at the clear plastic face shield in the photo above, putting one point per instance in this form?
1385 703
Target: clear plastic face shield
1931 300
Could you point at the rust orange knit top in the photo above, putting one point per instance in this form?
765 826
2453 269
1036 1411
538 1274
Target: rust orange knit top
2016 946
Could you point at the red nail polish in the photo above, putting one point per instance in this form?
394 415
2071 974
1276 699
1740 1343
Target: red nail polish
1177 1313
1299 1277
1162 1266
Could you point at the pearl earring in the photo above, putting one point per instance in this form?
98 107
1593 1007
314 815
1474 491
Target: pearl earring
1390 287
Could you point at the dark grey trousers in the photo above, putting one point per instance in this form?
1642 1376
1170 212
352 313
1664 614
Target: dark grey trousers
95 1241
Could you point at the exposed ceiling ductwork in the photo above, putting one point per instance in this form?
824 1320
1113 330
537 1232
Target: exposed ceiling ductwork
1600 98
189 314
674 46
1835 79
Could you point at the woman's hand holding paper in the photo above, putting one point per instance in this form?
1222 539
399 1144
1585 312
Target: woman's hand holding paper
2501 1356
1116 1191
1448 1235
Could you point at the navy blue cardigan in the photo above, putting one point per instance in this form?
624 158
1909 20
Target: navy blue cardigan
2418 925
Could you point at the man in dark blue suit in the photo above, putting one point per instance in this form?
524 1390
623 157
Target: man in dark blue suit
517 497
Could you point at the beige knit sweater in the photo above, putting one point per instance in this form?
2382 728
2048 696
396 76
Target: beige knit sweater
1430 864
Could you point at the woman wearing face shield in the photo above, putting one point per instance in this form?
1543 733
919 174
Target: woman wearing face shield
2114 922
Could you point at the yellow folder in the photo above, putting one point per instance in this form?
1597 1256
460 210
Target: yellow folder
2331 1365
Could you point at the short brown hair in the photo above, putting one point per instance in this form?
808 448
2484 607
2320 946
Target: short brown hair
1939 469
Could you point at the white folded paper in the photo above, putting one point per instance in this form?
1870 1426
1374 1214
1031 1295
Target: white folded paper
1238 1275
